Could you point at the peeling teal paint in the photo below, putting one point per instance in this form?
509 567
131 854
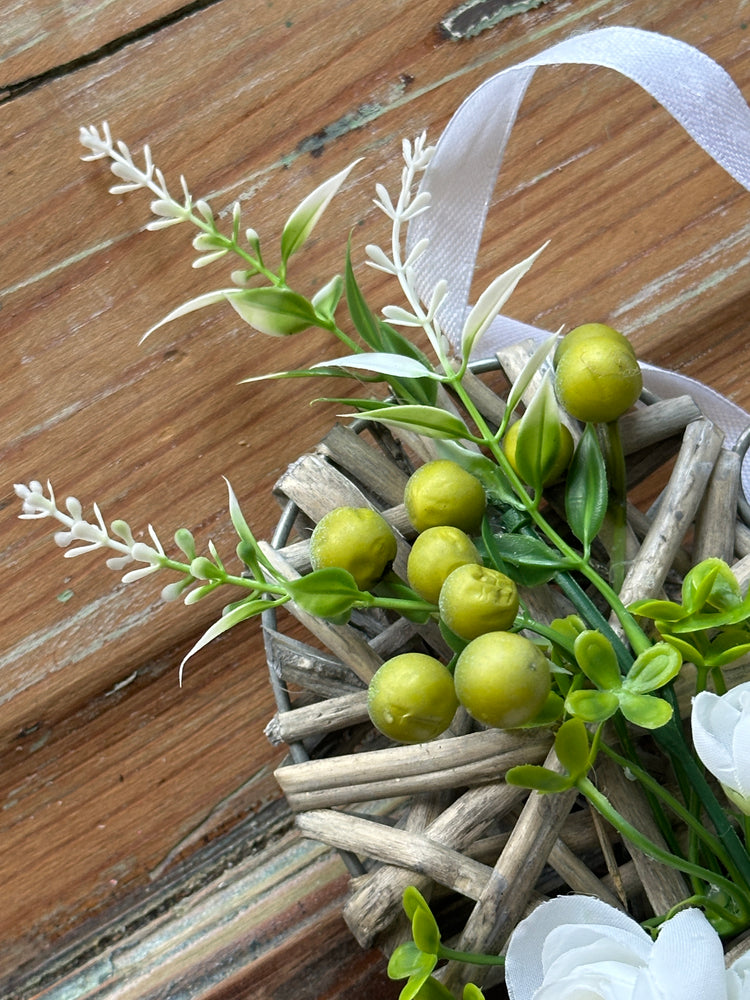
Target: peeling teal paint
475 16
316 143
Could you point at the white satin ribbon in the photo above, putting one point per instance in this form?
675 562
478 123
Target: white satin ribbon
696 91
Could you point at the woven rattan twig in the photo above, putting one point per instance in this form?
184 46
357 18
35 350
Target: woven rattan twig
321 717
677 508
343 640
507 893
663 886
377 473
577 876
406 770
648 425
413 851
297 663
369 910
716 520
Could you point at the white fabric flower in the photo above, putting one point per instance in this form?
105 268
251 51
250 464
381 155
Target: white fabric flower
580 948
721 736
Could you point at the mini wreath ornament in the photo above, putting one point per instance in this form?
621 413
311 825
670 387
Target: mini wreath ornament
596 663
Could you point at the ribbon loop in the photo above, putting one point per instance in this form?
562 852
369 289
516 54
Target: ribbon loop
695 90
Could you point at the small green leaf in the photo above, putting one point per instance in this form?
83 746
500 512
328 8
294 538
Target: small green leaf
490 475
490 302
472 992
539 437
548 714
572 748
328 297
688 650
381 362
326 593
407 960
433 989
646 710
238 518
199 302
714 619
531 556
455 642
653 668
365 321
538 778
727 647
278 312
381 336
413 900
666 611
592 706
597 659
711 582
586 489
301 222
238 614
430 421
425 931
528 371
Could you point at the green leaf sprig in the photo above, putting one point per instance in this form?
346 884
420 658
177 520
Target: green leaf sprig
417 959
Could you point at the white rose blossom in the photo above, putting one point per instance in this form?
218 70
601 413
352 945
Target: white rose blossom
580 948
721 736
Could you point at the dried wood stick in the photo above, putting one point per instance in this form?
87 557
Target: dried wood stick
741 570
397 771
423 810
297 555
343 640
577 875
321 717
717 514
475 773
648 425
368 464
369 911
644 463
738 949
405 848
414 759
679 503
507 893
742 539
664 886
605 843
317 487
297 663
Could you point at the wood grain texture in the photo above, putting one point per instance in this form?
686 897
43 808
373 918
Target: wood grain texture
103 780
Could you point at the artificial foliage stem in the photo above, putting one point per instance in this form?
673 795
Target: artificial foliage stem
469 957
602 804
637 638
696 827
657 810
671 739
615 462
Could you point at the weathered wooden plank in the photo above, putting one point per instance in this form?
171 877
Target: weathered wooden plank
646 233
41 37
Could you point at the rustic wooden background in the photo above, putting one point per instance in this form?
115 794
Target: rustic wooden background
144 848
